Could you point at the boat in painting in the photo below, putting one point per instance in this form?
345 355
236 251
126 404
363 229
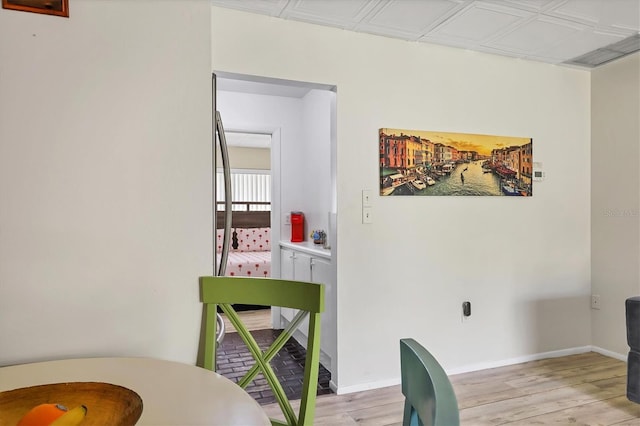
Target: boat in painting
510 188
418 184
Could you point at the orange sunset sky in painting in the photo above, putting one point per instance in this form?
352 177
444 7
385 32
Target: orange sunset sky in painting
482 144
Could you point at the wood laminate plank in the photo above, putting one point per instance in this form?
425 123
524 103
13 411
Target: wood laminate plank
342 419
583 389
379 415
530 368
549 381
254 320
515 409
607 412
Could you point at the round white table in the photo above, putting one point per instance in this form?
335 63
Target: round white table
172 393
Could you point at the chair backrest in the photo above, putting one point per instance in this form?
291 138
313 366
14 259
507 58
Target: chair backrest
430 399
308 298
632 313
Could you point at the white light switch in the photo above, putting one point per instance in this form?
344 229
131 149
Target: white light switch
366 198
367 215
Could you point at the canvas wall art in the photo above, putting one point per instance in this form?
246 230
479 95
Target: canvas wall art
420 162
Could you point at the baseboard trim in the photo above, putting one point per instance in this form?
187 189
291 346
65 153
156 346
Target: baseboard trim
364 387
609 353
519 360
481 366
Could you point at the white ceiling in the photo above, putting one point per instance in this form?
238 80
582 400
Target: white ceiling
248 140
551 31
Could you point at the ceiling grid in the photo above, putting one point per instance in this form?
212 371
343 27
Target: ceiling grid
583 33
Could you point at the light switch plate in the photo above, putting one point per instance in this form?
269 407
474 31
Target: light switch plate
366 198
367 215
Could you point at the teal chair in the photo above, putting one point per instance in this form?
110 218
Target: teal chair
430 399
308 298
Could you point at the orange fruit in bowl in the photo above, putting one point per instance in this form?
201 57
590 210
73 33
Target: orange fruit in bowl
42 415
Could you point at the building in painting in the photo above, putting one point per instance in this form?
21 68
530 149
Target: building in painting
401 154
428 148
525 172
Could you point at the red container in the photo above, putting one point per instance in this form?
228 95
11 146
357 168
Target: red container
297 227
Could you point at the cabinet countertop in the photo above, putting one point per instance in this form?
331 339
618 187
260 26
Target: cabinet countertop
308 247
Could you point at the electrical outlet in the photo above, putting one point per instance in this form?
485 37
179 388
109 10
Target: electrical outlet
287 219
466 309
595 301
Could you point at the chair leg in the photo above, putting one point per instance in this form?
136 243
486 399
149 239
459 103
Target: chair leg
410 417
210 348
310 388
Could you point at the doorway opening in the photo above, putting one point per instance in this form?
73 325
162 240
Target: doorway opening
300 118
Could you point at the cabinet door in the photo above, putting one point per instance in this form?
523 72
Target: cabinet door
302 267
321 272
287 272
287 264
299 266
301 272
294 266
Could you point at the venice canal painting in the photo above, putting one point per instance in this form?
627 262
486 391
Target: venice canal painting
419 162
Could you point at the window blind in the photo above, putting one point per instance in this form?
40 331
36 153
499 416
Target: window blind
247 187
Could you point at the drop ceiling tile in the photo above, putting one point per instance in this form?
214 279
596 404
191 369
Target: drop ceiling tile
538 34
343 14
615 13
501 52
542 30
530 5
544 59
264 7
447 41
584 10
411 18
595 58
581 43
479 22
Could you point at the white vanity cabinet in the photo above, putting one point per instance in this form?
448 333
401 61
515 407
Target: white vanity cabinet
295 265
304 262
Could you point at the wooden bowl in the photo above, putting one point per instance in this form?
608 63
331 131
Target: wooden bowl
106 404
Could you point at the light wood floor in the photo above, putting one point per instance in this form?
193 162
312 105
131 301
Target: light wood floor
253 320
584 389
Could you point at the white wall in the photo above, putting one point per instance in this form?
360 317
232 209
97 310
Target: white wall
302 148
105 179
282 117
316 159
615 206
523 263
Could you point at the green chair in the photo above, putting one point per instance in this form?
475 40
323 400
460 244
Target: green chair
308 298
430 399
